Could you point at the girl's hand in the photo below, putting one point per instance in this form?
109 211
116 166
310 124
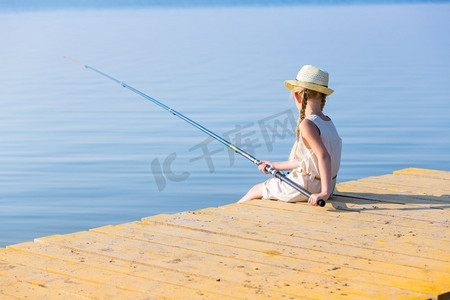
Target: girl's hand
316 197
262 166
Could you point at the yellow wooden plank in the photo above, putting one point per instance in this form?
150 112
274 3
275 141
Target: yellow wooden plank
322 232
424 214
364 211
237 269
9 297
11 288
357 232
400 194
106 278
369 192
184 222
292 236
172 258
270 257
61 283
143 270
400 183
270 249
445 175
355 229
369 211
353 224
431 186
365 218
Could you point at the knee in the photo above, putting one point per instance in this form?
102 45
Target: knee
257 189
253 188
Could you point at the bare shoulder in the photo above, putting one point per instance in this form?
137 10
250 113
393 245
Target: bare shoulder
308 128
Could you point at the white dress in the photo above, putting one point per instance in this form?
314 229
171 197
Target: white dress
307 174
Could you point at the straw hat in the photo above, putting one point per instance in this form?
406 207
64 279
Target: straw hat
311 78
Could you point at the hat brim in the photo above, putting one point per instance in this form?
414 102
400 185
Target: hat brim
290 84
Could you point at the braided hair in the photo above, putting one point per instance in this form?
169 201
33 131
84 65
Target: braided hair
324 100
306 95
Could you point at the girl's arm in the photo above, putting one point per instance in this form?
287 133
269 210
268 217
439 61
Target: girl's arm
311 135
278 165
285 165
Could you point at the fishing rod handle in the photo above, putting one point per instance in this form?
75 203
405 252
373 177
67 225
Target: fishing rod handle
282 177
270 169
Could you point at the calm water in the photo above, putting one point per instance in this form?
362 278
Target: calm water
78 151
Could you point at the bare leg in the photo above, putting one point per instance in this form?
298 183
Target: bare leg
254 193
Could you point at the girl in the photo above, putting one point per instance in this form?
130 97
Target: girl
316 155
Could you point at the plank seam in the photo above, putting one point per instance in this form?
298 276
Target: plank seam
290 245
248 249
268 264
141 263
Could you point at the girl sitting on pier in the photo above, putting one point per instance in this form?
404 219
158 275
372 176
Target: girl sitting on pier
316 155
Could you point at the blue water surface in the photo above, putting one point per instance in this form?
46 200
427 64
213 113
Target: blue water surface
79 151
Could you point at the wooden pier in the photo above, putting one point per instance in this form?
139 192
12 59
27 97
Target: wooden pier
384 237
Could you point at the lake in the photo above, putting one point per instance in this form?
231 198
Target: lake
78 151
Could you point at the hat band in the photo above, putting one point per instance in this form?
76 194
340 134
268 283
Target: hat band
312 83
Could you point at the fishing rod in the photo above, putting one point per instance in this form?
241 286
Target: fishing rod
269 169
